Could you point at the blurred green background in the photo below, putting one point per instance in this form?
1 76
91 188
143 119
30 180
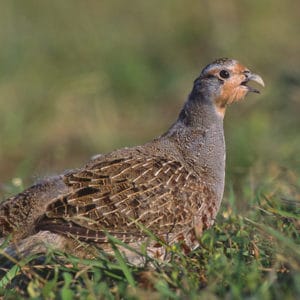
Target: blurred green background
84 77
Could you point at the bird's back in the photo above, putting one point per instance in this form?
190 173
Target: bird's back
124 193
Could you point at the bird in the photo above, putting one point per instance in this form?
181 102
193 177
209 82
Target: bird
171 187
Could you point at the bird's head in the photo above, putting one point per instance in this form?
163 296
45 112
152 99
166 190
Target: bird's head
226 81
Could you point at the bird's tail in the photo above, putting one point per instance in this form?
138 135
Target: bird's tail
19 214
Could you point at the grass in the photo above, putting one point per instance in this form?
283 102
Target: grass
252 254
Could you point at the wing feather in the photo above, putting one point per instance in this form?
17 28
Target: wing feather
113 194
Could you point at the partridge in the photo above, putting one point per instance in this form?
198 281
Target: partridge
171 186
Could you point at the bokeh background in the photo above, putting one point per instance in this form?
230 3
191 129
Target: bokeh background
84 77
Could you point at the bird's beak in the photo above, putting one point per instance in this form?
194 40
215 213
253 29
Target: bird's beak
253 77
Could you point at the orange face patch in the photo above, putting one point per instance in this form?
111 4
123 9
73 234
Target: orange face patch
231 90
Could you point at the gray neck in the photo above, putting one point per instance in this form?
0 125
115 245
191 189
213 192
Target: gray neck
199 137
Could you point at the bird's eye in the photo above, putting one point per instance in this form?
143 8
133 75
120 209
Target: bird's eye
224 74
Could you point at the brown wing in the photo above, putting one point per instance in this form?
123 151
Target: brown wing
111 195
